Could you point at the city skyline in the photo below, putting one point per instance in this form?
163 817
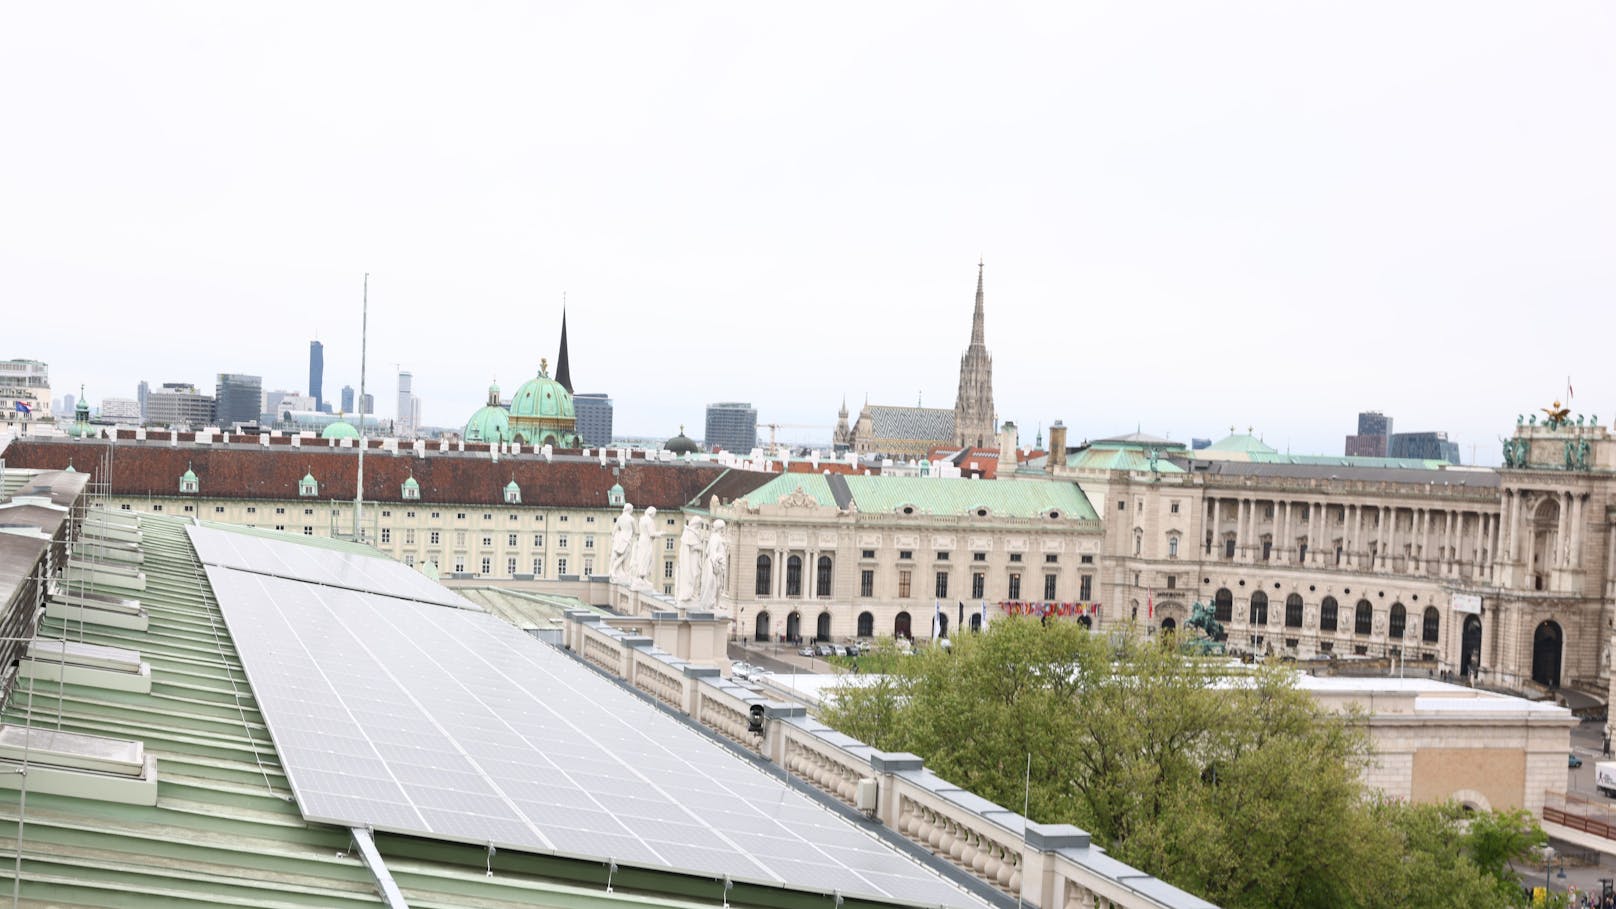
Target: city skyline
1192 219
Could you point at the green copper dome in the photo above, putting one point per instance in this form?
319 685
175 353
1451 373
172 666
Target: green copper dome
681 444
341 429
491 423
189 476
409 482
542 396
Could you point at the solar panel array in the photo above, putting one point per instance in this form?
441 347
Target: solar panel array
455 725
336 568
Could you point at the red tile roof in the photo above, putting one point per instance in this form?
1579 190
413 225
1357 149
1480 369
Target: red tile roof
257 472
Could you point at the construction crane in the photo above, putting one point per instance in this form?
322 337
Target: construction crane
774 446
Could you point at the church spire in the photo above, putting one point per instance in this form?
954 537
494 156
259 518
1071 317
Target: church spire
977 337
563 374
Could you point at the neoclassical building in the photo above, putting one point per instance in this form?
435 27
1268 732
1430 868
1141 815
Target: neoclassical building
833 557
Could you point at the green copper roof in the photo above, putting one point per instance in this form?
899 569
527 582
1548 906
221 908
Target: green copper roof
541 396
512 485
1248 444
409 482
309 478
1119 457
1348 461
490 423
933 495
341 429
189 475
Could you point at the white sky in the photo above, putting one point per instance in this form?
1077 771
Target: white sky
1194 215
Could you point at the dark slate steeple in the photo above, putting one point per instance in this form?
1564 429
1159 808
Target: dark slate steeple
563 373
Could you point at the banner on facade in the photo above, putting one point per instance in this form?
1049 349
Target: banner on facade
1467 602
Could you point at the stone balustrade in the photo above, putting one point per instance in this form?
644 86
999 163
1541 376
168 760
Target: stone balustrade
1044 866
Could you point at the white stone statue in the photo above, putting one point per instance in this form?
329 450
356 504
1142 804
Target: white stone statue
692 551
714 569
645 549
622 545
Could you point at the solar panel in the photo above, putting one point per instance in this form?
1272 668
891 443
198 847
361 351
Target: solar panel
454 725
333 567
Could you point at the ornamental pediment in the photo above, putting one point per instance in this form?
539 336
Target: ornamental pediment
1015 544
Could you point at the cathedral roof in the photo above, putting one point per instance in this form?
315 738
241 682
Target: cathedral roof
910 422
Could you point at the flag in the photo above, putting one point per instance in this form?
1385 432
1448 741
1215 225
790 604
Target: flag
24 408
1150 605
937 621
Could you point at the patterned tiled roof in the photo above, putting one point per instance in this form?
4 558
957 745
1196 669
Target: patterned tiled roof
260 472
911 422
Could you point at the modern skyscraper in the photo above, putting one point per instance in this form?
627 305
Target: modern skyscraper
408 408
594 413
142 392
731 426
179 404
1374 430
1429 446
974 422
347 399
238 398
316 373
367 403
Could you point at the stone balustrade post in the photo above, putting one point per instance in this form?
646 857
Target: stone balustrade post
1040 887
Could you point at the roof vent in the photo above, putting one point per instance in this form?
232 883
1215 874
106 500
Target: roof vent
83 766
72 663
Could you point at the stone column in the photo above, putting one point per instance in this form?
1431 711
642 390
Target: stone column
1575 559
1241 541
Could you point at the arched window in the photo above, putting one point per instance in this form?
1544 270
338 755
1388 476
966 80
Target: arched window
1259 608
1363 618
765 576
822 627
866 625
1397 622
1223 605
794 576
822 578
1327 614
1293 611
1433 621
900 625
762 630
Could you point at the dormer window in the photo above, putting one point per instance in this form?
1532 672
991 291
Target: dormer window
410 490
188 482
513 493
614 496
308 486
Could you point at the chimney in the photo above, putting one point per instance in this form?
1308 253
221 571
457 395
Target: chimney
1007 447
1057 447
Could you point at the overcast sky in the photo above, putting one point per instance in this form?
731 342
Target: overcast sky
1193 215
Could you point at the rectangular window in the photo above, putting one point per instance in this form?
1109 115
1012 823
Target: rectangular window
1172 581
668 544
562 519
1085 589
561 565
218 509
561 540
1051 559
589 541
589 568
432 537
1015 587
487 516
1049 586
1015 556
157 508
1086 560
252 509
409 536
903 584
1267 549
460 516
942 584
279 509
510 540
905 554
979 557
488 565
308 531
978 585
867 554
1121 505
460 538
409 559
667 570
538 540
307 512
460 563
435 515
589 519
487 541
510 565
387 534
409 514
386 513
1173 508
190 508
942 556
867 583
538 568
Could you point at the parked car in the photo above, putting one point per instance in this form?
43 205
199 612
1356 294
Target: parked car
825 650
851 650
805 651
1573 761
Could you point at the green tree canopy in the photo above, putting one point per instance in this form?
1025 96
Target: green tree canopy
1235 786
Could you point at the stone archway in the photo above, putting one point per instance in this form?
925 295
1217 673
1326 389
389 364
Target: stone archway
822 632
794 627
1169 625
761 631
1547 645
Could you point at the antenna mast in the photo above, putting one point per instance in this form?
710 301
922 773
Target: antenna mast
359 491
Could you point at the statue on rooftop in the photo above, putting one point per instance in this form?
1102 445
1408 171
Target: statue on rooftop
645 549
692 552
622 545
714 568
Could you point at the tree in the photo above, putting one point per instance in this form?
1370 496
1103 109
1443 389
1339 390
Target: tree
1236 787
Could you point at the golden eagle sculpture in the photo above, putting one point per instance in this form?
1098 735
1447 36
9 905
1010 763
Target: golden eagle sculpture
1557 414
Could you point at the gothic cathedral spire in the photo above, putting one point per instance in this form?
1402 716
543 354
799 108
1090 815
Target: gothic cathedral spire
974 420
